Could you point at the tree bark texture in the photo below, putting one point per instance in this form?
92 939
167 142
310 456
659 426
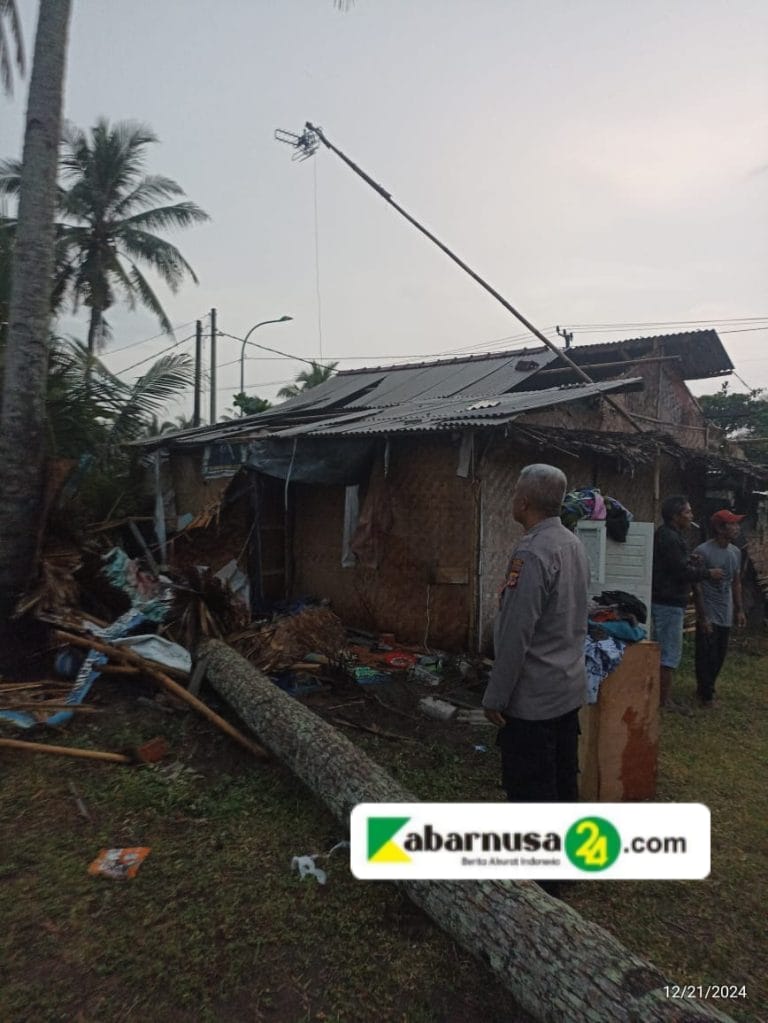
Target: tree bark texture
22 428
559 966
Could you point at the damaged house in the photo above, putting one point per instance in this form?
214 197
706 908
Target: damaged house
387 490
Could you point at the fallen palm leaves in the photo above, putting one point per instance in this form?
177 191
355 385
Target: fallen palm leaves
284 642
203 608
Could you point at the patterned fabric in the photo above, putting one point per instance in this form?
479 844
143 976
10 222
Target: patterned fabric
601 656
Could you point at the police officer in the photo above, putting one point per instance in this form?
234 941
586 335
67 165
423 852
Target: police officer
538 681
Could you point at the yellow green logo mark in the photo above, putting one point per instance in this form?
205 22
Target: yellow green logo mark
592 843
381 847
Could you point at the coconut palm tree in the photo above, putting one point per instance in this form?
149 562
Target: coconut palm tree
109 217
82 390
22 427
9 15
92 414
318 374
156 427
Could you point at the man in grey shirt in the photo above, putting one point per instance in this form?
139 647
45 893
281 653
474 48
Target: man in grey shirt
716 602
538 681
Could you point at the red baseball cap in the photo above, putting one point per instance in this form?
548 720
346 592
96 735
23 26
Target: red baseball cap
723 517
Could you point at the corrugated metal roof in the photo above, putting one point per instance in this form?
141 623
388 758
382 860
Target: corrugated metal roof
420 416
338 388
701 352
391 385
445 380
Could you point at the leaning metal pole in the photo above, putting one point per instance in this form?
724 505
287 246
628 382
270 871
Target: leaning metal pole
306 145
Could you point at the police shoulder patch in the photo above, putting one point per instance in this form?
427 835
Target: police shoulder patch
513 572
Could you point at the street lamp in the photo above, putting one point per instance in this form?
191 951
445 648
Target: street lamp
283 319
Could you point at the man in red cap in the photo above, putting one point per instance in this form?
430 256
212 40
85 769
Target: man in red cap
717 602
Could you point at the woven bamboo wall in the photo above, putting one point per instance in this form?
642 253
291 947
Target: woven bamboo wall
422 586
193 493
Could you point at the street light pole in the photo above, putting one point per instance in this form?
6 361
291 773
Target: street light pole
282 319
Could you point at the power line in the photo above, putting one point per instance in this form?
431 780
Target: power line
155 355
744 382
261 383
665 323
743 330
285 355
135 344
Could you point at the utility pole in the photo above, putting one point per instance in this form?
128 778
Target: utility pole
198 370
213 366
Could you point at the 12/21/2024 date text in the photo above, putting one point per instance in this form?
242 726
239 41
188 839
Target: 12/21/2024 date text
705 991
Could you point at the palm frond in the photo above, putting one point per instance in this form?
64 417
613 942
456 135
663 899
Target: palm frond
151 188
181 214
10 177
158 254
9 13
165 379
149 298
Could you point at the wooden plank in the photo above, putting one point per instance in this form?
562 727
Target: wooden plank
618 751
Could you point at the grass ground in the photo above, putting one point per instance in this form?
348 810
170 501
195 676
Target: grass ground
216 927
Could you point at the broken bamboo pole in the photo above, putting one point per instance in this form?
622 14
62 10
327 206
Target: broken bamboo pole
559 966
118 653
65 751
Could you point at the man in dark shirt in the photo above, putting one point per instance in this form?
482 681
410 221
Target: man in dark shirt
673 572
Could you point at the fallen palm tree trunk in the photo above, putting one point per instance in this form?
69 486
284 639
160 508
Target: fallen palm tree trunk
558 966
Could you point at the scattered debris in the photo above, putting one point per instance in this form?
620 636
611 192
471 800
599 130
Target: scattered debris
401 660
424 674
64 751
205 607
369 676
183 694
307 867
150 752
373 730
119 864
277 645
474 717
438 709
305 649
82 809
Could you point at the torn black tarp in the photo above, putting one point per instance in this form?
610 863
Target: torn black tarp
313 459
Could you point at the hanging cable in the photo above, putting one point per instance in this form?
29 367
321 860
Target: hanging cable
155 355
317 267
135 344
285 355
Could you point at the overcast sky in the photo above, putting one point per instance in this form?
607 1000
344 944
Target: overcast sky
602 162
